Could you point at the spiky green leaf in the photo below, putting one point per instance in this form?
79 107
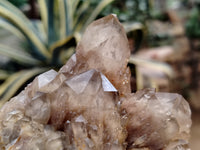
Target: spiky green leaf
61 45
11 28
79 20
13 15
3 74
17 55
43 13
15 81
96 11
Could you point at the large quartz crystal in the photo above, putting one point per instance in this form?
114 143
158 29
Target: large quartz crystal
88 105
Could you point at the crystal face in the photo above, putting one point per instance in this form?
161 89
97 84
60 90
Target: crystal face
88 105
78 83
156 119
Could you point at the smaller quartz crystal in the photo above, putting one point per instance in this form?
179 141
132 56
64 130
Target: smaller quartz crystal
156 119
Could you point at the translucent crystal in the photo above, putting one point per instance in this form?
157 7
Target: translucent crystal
90 112
39 109
79 82
46 78
104 47
107 86
156 119
80 119
88 105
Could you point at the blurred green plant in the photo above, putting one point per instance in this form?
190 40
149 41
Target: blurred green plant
47 43
18 3
129 10
156 40
152 65
193 23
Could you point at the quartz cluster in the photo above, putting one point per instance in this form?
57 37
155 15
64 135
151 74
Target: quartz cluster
88 104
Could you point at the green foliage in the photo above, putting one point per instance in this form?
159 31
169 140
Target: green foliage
193 24
18 3
133 14
129 10
159 40
46 43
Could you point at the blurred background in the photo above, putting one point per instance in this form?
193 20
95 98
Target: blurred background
164 37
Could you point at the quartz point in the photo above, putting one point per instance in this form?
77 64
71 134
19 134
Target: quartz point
88 104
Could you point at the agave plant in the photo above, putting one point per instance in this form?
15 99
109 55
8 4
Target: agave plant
47 42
